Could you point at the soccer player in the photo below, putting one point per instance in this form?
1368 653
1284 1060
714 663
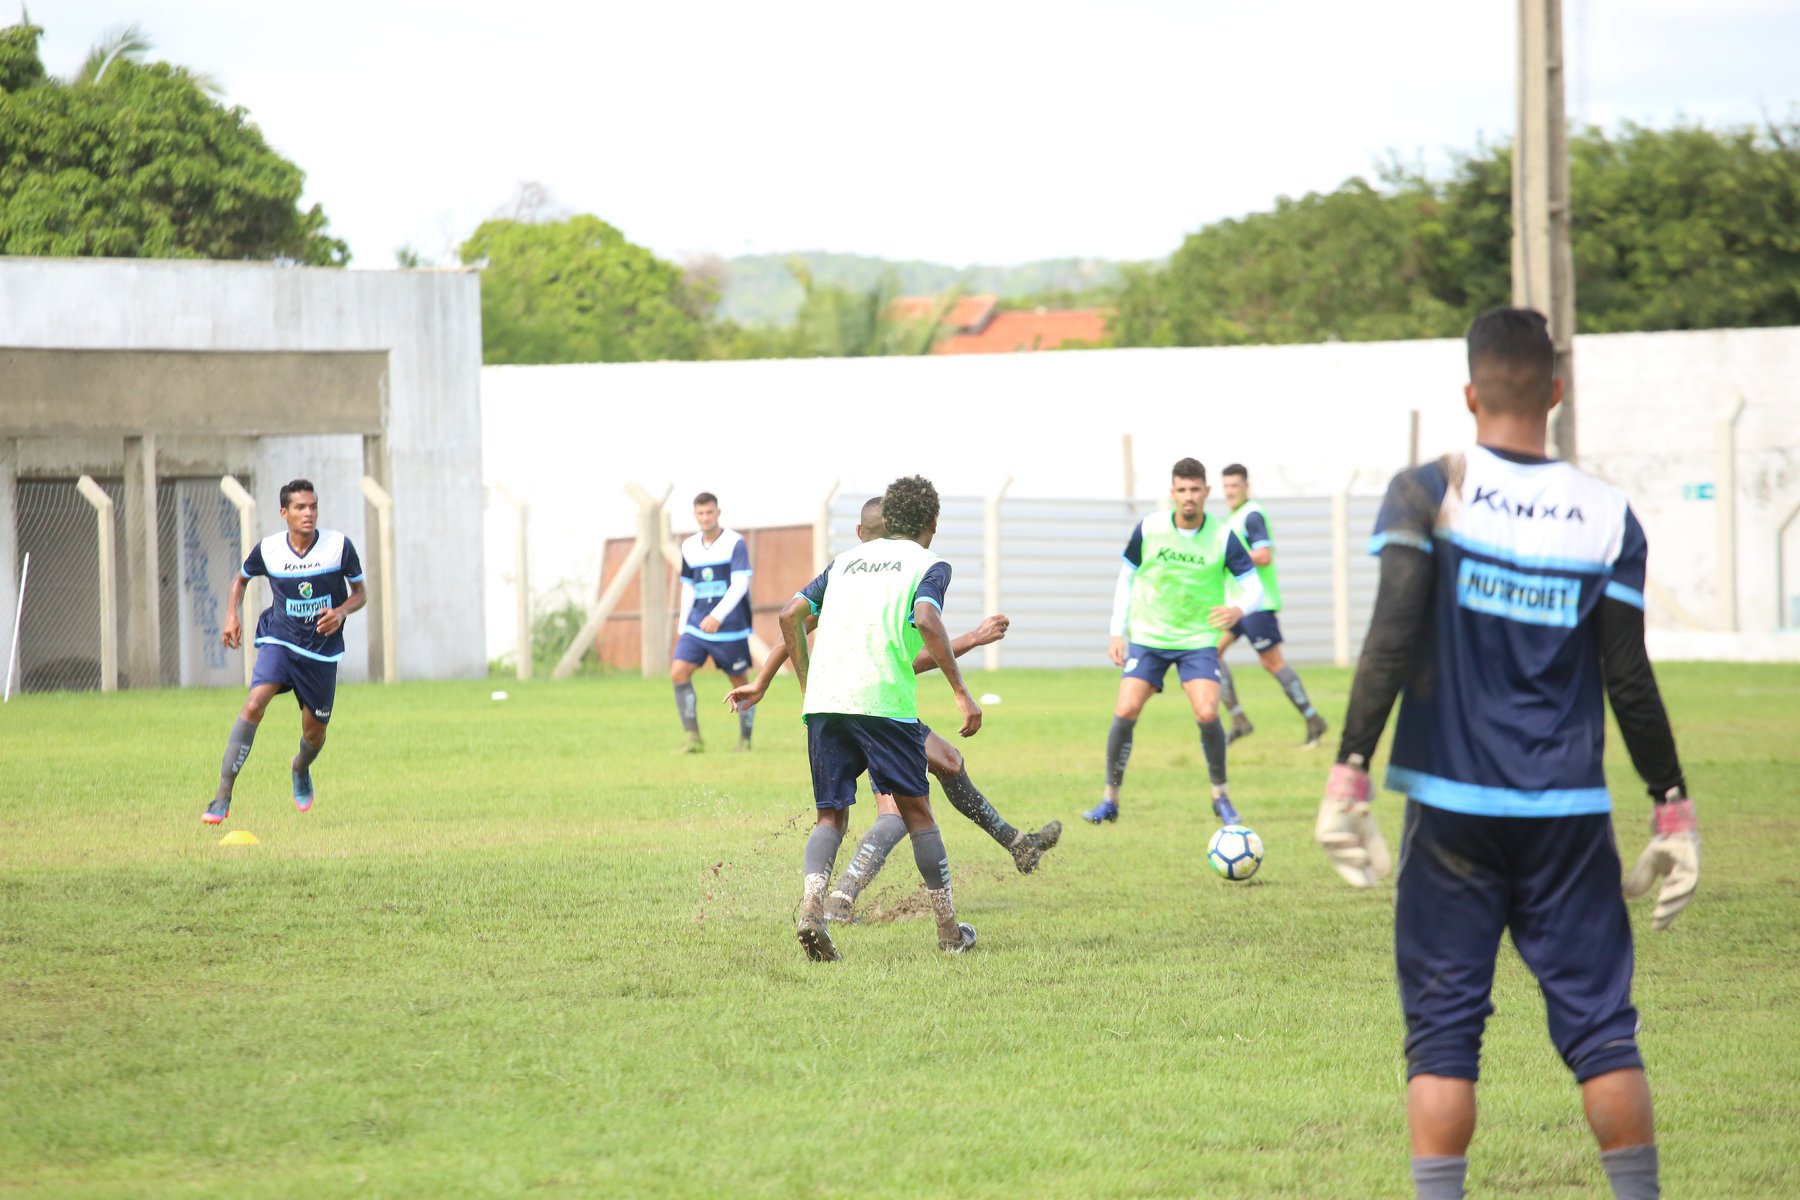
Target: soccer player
1168 611
878 605
941 759
1511 598
715 616
1261 629
316 582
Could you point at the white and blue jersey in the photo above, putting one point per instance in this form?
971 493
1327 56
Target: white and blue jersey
304 585
1507 717
715 582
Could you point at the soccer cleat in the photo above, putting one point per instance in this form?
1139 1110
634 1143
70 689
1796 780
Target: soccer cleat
967 939
303 788
840 908
1224 809
1031 846
1315 729
1106 810
815 939
694 745
743 746
1240 728
216 812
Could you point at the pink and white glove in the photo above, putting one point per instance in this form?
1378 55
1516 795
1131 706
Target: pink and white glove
1674 851
1346 829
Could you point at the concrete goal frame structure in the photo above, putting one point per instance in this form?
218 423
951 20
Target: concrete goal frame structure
144 371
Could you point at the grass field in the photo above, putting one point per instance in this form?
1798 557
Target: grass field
524 948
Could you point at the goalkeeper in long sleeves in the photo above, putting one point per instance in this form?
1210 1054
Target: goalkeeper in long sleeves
1511 600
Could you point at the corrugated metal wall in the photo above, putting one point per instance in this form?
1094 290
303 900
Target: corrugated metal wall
1059 560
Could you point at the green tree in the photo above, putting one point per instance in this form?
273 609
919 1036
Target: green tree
575 290
1683 228
137 160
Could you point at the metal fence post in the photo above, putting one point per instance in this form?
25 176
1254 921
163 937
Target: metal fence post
96 495
990 554
383 503
245 504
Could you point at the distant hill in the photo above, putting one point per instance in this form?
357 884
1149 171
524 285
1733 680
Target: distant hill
760 290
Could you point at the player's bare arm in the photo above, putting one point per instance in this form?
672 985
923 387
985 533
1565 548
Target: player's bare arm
793 619
930 624
333 618
989 631
233 633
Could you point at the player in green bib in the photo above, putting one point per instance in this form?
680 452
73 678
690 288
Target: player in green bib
1261 629
1169 610
879 604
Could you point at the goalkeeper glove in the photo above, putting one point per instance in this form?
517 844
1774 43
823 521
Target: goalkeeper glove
1674 850
1347 831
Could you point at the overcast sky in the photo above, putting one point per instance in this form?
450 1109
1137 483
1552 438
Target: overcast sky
979 131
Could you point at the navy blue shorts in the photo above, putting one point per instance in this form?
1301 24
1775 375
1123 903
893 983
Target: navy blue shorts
731 657
1261 629
843 745
1151 665
1553 882
313 683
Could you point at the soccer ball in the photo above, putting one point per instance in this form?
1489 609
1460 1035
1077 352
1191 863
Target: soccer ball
1235 852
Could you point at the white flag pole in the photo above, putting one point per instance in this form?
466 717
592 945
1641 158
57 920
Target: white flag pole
12 651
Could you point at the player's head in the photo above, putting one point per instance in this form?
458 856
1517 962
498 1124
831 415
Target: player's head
1234 481
706 512
300 505
910 509
869 524
1512 364
1187 486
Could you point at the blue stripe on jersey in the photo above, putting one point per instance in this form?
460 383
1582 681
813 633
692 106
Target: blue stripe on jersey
1400 537
929 600
1631 596
1586 566
303 653
724 635
1476 800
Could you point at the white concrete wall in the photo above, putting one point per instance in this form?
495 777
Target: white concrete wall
429 325
771 437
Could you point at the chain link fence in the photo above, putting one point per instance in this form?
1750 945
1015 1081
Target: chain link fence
163 623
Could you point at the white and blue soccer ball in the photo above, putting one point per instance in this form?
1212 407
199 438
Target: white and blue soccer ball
1235 852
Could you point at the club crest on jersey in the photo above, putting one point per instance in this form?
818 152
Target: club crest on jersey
306 591
1491 499
706 573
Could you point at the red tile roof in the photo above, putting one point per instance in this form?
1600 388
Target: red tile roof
968 315
1044 329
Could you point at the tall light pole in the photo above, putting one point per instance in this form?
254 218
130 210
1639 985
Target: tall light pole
1543 262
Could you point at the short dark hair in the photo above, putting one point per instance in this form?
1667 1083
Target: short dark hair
706 498
871 511
1188 468
297 485
1512 359
909 506
1238 469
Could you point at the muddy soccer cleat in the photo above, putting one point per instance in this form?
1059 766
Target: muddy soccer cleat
1106 810
815 939
965 938
1315 730
216 812
840 908
1240 728
1031 846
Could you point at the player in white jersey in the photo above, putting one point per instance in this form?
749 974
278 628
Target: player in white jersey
715 616
316 582
1511 606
